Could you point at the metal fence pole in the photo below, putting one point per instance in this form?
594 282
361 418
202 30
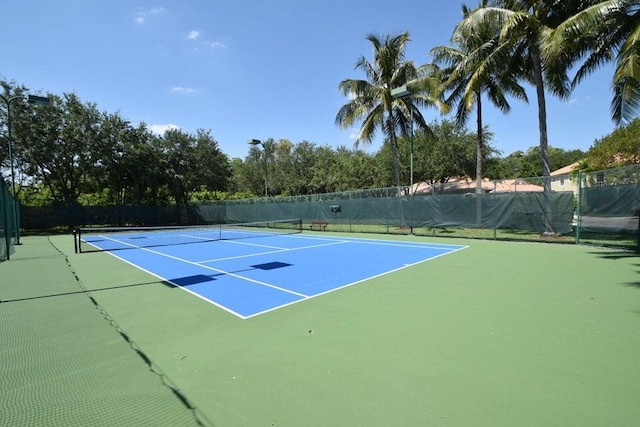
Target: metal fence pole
579 208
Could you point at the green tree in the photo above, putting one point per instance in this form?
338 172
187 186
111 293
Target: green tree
62 139
258 167
524 25
355 169
451 153
371 101
18 110
602 32
304 158
520 164
323 179
212 168
474 69
619 148
282 180
112 161
193 162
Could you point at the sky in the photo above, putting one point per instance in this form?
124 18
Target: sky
254 69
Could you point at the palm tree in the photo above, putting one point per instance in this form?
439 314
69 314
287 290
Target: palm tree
472 70
604 31
372 102
525 25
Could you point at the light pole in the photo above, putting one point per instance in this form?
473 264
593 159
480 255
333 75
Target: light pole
31 99
400 93
264 149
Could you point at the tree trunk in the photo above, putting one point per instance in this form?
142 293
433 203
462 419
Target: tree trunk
479 150
544 146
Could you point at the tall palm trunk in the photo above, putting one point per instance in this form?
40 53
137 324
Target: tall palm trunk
542 112
394 148
479 145
544 143
479 150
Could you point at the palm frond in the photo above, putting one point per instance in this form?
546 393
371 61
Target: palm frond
626 80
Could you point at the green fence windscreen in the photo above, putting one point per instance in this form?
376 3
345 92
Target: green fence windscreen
601 206
610 201
521 211
9 212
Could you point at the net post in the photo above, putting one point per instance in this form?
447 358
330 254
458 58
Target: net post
75 240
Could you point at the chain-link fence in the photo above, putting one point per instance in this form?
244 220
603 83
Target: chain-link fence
598 208
608 207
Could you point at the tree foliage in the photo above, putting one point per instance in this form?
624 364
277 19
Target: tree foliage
70 150
305 168
601 32
473 69
619 148
372 103
526 164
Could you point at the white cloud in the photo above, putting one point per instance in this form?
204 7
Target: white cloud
196 35
184 89
215 45
161 129
580 102
142 14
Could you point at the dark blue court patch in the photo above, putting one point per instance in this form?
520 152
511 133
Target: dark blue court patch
192 280
271 265
137 237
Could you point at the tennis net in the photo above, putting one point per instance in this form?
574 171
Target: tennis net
93 239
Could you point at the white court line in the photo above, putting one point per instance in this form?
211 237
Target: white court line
355 283
238 242
217 270
334 241
274 252
381 242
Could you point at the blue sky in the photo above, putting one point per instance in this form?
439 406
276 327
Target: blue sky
247 69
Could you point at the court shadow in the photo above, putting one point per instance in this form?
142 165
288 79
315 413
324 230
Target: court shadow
204 278
616 254
88 291
194 280
271 266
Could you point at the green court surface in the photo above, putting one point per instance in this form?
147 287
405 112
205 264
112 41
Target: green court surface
503 333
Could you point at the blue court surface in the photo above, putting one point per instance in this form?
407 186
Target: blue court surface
248 277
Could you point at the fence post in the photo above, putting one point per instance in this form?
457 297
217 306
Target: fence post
3 205
579 208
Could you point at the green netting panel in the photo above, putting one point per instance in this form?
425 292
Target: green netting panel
611 208
8 227
521 211
46 217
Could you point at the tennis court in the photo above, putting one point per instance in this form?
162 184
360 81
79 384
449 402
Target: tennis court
496 333
250 269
